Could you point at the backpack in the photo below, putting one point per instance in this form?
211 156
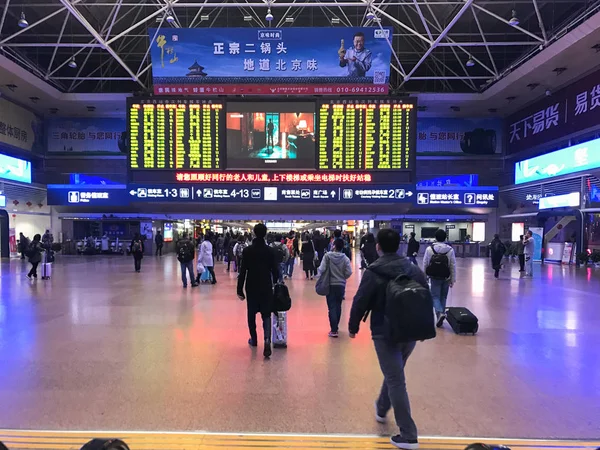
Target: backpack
408 314
281 298
185 253
279 253
289 243
439 265
136 247
31 250
239 250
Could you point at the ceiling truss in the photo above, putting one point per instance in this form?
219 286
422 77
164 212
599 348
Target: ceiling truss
431 42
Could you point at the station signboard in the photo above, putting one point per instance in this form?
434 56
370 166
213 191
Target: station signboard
482 196
81 195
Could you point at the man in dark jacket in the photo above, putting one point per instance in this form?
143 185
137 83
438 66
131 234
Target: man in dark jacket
185 256
321 245
413 248
392 357
136 248
159 240
497 251
258 271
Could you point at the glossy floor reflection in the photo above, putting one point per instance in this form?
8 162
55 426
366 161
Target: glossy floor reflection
99 347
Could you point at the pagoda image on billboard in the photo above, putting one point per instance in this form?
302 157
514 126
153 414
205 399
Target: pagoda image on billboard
196 70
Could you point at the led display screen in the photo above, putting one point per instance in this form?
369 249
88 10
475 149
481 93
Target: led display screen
270 135
15 169
561 201
168 232
366 135
175 134
573 159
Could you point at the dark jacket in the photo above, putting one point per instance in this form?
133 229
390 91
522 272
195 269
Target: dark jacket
258 271
371 292
413 247
369 250
321 244
190 249
35 252
139 254
159 239
497 251
308 256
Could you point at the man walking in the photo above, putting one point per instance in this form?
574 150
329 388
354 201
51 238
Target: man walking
185 256
371 295
439 263
159 240
413 248
497 251
528 247
282 254
258 272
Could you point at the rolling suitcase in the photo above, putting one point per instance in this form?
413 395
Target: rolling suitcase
279 329
46 267
462 320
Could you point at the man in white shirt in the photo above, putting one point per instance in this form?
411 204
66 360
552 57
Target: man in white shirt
528 247
358 59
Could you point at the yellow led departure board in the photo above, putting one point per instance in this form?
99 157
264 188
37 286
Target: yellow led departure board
366 135
175 134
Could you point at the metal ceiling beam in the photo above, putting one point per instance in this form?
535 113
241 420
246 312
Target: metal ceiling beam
487 44
502 19
450 78
441 36
75 12
427 30
137 24
540 21
62 30
401 24
53 44
6 4
484 39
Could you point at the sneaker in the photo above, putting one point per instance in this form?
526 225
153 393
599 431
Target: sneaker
267 352
194 285
406 444
252 343
333 334
378 418
440 320
185 286
29 276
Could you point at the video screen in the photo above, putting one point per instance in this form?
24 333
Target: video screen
270 135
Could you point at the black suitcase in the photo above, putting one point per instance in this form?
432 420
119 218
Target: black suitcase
462 320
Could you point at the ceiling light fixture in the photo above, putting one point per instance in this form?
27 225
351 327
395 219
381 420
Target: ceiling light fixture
470 62
23 21
247 18
335 20
269 16
204 18
514 21
289 20
72 63
370 14
170 18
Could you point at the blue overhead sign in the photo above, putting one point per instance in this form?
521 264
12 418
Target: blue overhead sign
572 159
475 196
76 195
15 169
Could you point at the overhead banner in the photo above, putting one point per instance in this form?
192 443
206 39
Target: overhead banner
209 61
570 110
480 196
84 135
449 136
19 127
74 195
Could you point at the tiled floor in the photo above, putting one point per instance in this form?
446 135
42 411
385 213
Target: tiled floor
99 347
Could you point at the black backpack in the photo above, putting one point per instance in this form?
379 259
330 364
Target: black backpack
281 298
408 313
279 253
439 265
186 252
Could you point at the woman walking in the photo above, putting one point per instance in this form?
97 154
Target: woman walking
205 257
34 253
137 250
308 256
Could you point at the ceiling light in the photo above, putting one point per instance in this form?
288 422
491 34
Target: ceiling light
170 18
370 15
289 19
335 20
72 63
470 62
514 21
247 18
269 16
204 18
23 21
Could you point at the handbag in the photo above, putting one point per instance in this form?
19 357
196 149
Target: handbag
316 255
200 267
323 283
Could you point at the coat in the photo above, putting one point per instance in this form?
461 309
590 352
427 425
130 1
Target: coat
497 251
308 256
137 255
257 273
205 254
36 252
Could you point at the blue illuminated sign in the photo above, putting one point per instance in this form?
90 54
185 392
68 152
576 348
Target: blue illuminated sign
2 201
75 195
15 169
450 180
474 196
561 201
573 159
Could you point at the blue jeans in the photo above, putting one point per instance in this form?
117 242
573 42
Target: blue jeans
392 360
334 304
289 267
439 292
282 267
189 267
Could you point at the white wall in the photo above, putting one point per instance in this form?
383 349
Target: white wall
29 224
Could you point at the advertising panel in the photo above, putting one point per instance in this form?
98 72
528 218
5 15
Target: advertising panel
572 200
200 61
15 169
83 135
570 110
469 136
538 238
572 159
19 127
168 232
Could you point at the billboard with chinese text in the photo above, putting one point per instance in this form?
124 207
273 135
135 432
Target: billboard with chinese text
83 135
200 61
466 136
19 127
570 110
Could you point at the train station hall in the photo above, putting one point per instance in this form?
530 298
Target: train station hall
299 224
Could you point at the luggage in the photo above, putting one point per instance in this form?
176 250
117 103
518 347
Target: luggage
281 298
279 329
462 320
46 271
205 277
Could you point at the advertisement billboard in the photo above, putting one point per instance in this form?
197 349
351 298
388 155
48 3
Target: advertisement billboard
15 169
200 61
570 110
569 160
19 127
84 135
469 136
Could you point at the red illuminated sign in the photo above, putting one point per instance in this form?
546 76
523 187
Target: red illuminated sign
293 177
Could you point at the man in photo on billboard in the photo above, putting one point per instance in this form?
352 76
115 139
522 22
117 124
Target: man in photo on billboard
270 131
357 58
